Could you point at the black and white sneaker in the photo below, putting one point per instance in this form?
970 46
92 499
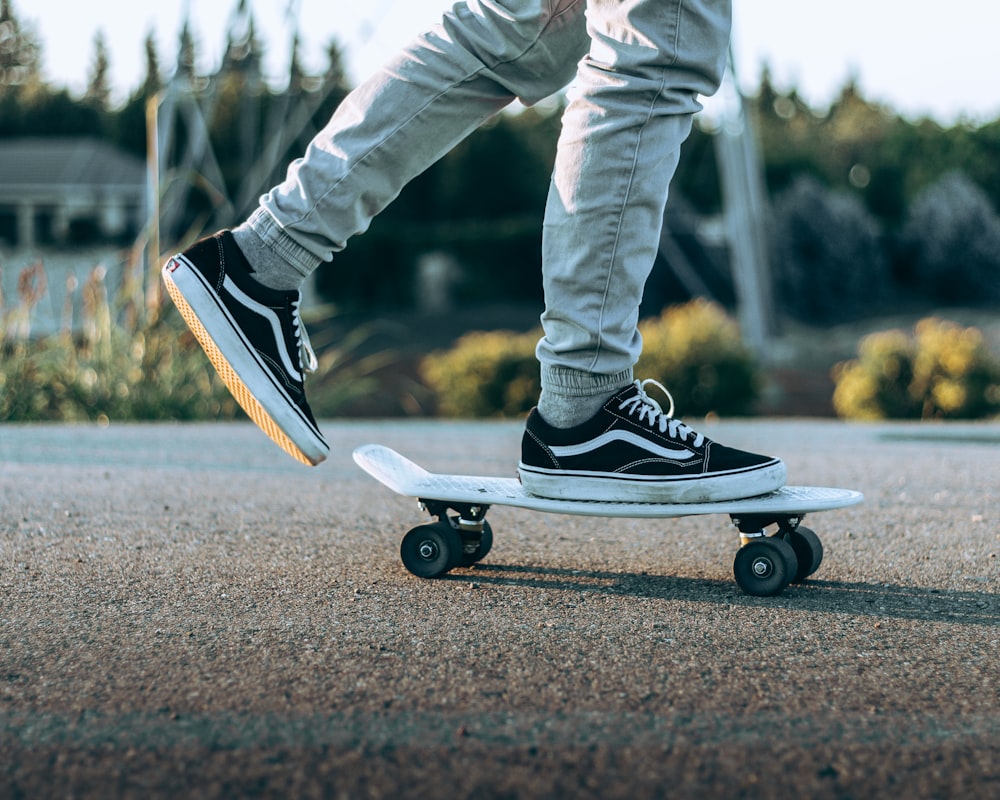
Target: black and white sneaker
254 338
631 451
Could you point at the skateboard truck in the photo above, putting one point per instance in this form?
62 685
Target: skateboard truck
753 526
471 526
470 517
764 563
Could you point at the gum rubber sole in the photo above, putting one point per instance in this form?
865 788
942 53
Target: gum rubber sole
232 380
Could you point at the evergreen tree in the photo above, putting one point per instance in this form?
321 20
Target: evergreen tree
152 82
98 94
20 51
953 236
129 123
28 107
187 59
296 75
829 263
336 75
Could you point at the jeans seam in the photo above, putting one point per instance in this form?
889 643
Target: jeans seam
677 32
621 220
381 145
554 14
534 42
452 85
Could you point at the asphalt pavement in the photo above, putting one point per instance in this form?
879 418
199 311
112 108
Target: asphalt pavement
185 611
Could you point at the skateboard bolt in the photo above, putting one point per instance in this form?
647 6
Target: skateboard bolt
762 567
427 550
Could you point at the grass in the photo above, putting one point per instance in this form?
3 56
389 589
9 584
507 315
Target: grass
126 355
129 356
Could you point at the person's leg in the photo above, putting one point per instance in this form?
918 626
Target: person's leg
407 116
238 291
595 435
630 110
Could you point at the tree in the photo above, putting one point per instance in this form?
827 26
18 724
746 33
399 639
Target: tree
98 94
187 58
153 81
828 256
952 235
20 51
482 204
336 75
129 123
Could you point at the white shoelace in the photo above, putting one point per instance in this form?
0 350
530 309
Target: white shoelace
307 356
649 410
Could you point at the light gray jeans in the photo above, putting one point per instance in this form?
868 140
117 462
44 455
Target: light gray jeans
639 67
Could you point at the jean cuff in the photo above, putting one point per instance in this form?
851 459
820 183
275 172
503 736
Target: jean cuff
575 383
283 245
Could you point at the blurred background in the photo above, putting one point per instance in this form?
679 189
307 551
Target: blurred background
831 245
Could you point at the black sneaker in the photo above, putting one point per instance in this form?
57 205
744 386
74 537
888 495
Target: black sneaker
631 451
253 336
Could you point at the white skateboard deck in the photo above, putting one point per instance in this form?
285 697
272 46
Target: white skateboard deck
764 565
411 480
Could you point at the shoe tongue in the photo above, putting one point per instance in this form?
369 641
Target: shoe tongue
630 391
621 397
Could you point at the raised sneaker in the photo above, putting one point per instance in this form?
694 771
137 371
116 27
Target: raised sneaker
254 337
632 451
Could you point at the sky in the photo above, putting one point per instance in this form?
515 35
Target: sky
904 53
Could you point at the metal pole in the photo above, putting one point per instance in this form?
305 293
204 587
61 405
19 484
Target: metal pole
746 218
152 205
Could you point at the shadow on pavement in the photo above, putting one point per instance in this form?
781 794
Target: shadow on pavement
869 599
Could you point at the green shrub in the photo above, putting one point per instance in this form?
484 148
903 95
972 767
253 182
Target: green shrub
122 363
153 374
485 374
941 371
129 362
694 349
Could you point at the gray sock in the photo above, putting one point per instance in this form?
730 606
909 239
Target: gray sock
268 267
567 411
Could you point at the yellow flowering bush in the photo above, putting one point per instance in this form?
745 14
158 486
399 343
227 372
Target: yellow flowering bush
940 371
694 349
485 374
697 352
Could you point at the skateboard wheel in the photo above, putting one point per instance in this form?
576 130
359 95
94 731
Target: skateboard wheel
429 551
485 545
808 551
764 567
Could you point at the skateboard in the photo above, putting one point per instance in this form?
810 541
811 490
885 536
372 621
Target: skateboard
764 564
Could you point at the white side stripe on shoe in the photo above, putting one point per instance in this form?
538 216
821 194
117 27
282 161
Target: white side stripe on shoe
272 319
622 436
